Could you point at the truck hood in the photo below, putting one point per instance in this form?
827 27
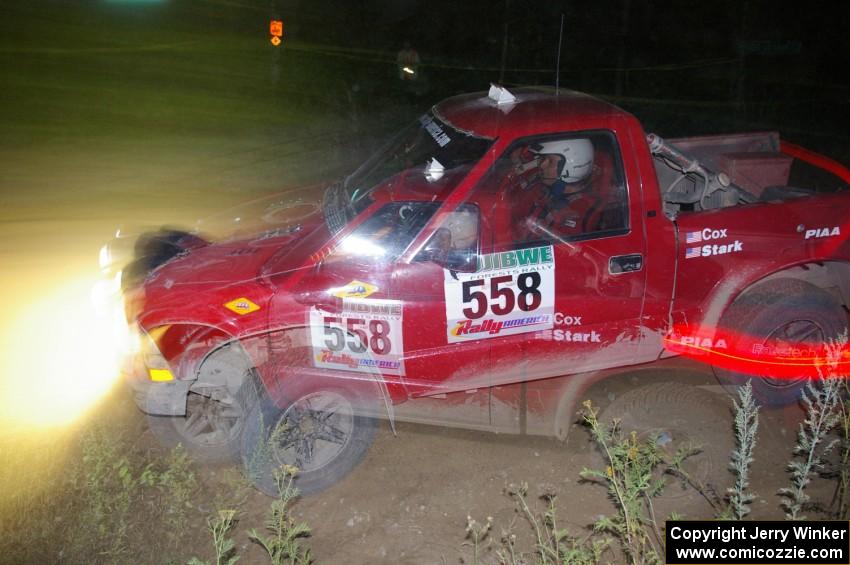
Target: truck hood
231 263
223 284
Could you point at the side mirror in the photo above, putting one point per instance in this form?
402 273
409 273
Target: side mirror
439 250
321 300
462 261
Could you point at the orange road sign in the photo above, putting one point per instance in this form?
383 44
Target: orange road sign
276 28
275 40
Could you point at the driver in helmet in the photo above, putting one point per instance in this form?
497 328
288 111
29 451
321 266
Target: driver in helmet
562 199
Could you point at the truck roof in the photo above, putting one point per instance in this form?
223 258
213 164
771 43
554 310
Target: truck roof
535 110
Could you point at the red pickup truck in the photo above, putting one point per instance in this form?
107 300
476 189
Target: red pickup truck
503 239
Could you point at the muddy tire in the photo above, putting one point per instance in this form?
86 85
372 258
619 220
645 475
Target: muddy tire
793 313
322 432
211 430
676 415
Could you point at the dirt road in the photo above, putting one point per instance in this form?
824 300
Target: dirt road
409 500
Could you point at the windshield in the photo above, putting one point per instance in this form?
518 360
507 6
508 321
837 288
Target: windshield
430 144
386 234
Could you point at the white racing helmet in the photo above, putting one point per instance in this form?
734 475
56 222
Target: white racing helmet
577 153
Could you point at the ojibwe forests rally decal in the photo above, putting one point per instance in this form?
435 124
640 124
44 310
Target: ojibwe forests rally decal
510 293
365 337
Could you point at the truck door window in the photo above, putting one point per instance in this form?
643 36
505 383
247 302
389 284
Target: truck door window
562 188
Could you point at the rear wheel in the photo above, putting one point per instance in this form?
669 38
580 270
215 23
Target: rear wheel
677 415
793 317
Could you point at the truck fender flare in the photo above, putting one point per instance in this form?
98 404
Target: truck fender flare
379 381
832 277
577 386
375 377
211 369
231 353
572 394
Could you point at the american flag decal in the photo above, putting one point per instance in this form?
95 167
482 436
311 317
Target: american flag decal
693 237
692 252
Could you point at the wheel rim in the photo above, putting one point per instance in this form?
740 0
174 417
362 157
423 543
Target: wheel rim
209 422
793 334
313 431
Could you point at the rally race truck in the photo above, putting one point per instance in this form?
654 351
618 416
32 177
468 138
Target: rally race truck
493 261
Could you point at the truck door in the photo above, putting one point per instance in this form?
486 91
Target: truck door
453 375
573 257
434 362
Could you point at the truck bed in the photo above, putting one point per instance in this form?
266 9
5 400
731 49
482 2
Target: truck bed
755 167
753 161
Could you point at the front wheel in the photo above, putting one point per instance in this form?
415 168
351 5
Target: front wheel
323 432
210 431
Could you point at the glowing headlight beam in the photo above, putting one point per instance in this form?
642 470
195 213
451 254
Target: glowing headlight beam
64 352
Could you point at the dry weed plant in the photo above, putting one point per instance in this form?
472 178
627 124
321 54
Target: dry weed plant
552 546
746 430
634 475
632 480
839 469
813 444
824 411
284 543
476 533
219 527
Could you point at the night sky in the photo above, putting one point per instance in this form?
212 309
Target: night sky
778 61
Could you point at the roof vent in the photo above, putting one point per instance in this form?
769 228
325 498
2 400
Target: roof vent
500 95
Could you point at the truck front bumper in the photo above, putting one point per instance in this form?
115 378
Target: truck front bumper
155 398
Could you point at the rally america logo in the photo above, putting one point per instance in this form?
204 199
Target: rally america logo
467 327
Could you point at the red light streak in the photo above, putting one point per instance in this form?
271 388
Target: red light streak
815 360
